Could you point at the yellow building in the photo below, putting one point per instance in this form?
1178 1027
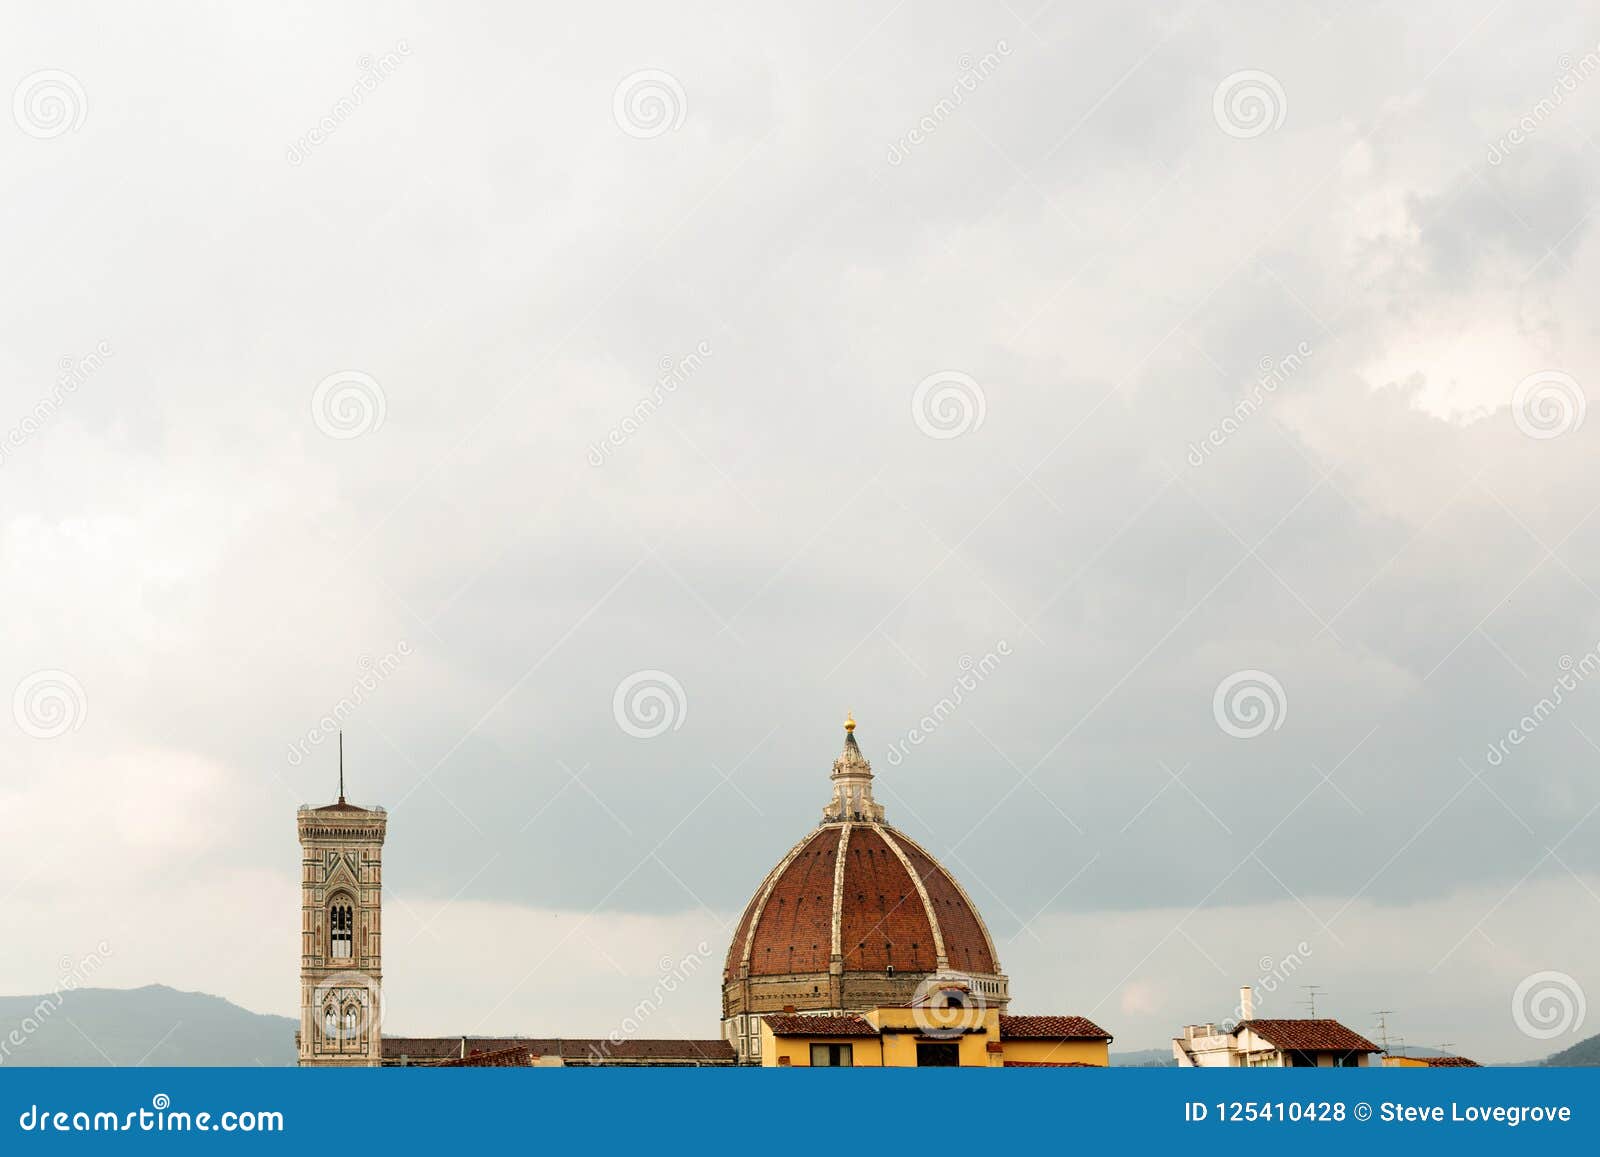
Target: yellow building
1405 1062
946 1029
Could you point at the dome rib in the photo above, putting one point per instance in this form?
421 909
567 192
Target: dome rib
759 905
837 917
972 909
941 960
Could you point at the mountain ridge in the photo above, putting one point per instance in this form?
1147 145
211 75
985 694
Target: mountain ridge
150 1025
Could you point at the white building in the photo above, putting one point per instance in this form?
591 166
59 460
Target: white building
1253 1043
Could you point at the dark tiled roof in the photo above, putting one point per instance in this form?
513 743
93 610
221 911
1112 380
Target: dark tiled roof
341 806
421 1047
503 1051
786 1025
647 1051
1449 1062
516 1057
1328 1036
1050 1028
1051 1065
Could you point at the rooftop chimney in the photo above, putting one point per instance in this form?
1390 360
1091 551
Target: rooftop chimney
1247 1008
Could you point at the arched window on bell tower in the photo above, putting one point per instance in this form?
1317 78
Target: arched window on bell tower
341 929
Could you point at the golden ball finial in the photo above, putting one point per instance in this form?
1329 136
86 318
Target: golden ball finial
849 721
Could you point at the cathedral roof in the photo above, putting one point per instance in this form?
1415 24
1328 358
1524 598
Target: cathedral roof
861 890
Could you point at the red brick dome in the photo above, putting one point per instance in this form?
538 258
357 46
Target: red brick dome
864 894
857 897
857 916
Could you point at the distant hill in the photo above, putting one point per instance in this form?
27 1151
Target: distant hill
1144 1059
1585 1052
154 1025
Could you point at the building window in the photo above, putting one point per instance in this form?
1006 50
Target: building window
832 1056
341 928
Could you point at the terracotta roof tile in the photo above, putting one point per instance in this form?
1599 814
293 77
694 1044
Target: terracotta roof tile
1449 1062
603 1051
1051 1065
516 1057
1309 1035
793 1025
505 1051
1050 1028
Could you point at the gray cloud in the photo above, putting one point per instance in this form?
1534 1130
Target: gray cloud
1079 237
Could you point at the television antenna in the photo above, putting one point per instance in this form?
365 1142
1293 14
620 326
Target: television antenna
1383 1015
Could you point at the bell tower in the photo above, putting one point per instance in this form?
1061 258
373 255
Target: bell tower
341 932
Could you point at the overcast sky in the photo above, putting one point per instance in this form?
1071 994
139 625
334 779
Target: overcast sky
623 395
